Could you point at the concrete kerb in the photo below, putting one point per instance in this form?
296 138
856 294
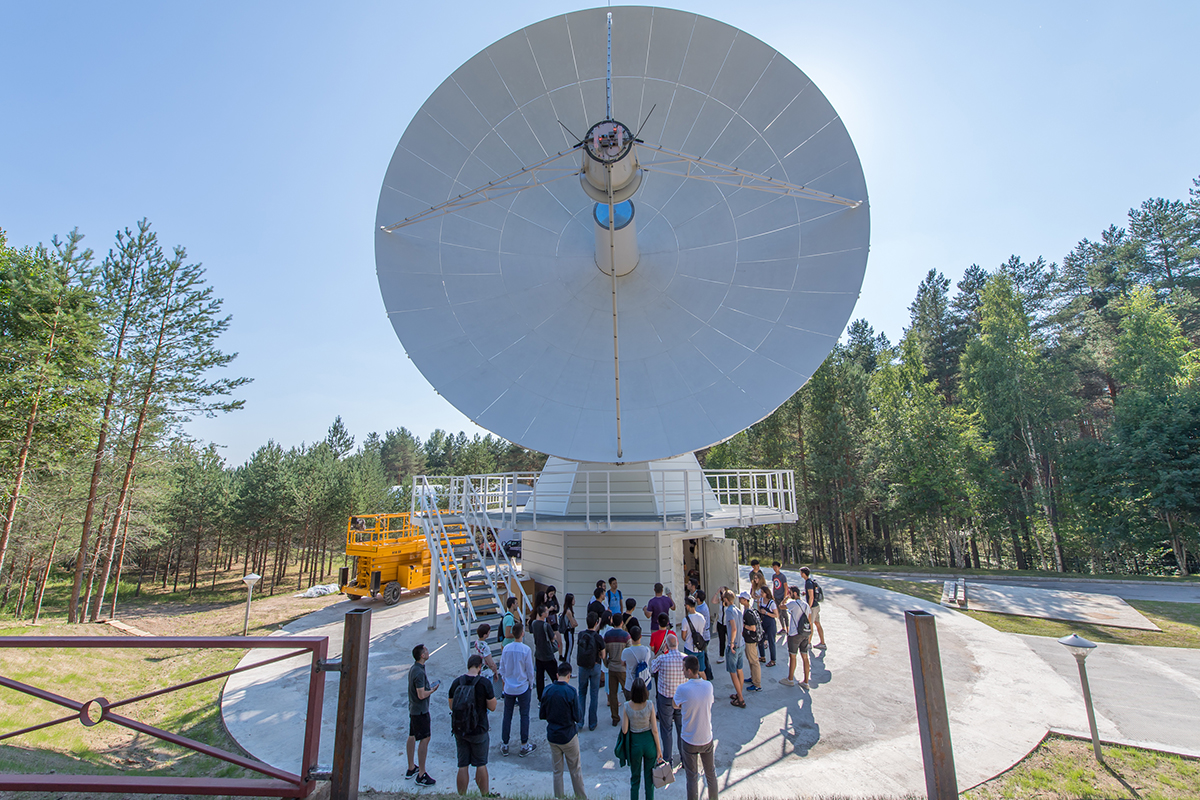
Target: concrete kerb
1158 747
853 734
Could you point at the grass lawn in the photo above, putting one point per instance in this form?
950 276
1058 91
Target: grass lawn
1180 622
115 674
1063 768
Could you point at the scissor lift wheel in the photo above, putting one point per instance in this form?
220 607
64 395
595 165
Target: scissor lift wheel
391 594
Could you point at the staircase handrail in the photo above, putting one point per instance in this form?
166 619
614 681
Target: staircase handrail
475 508
442 554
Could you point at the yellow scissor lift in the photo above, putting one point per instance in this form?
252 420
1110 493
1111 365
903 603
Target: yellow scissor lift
391 555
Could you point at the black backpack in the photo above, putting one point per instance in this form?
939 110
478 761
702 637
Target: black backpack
818 593
464 719
751 617
588 649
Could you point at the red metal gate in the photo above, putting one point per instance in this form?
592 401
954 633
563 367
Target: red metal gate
277 783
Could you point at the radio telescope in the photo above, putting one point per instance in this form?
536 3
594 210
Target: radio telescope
618 236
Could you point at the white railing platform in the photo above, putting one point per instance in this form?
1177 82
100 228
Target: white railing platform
631 499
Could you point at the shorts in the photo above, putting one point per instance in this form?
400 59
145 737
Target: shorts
733 660
418 726
816 614
472 750
797 643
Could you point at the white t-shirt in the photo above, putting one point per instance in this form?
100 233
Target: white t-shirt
685 632
794 609
631 656
483 651
695 698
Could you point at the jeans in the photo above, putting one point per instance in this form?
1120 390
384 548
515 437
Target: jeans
568 752
770 631
544 668
668 713
703 752
642 757
589 690
521 700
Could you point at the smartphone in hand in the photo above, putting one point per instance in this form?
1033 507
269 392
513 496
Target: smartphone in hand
433 687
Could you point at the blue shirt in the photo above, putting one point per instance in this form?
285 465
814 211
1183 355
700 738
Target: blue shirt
560 709
615 601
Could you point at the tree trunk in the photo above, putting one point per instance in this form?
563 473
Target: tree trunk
24 586
112 614
112 544
1178 546
101 444
37 610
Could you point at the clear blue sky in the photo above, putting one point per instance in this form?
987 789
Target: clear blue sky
257 134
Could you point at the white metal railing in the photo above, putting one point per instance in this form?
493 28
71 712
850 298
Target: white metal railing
476 501
445 565
684 498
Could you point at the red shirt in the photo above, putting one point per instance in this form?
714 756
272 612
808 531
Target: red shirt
656 640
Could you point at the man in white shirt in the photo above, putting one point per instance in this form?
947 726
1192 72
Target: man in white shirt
516 665
691 628
694 697
799 631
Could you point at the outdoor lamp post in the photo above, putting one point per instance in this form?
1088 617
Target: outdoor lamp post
1081 648
250 580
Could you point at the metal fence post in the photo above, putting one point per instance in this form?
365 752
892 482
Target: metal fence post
933 717
352 695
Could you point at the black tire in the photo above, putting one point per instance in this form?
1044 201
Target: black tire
391 594
354 597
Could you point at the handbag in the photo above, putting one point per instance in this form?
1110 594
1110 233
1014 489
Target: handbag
663 775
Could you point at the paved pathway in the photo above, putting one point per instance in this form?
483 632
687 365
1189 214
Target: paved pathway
1143 694
1181 592
853 734
1095 609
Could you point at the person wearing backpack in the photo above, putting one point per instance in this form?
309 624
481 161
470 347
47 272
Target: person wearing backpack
799 630
814 595
589 653
637 658
691 631
560 709
471 698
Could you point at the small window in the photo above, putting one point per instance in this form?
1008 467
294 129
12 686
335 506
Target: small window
622 214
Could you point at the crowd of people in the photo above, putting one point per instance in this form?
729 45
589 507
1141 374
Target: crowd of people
660 682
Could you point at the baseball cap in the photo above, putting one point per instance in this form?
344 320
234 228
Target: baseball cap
744 595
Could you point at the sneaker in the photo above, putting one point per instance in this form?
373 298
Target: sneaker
526 749
504 749
720 661
425 780
753 688
821 646
492 794
412 773
788 682
591 728
804 685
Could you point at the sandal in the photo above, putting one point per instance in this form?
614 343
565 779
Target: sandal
738 703
770 663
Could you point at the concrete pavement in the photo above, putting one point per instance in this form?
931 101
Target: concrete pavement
1094 609
853 734
1129 589
1149 695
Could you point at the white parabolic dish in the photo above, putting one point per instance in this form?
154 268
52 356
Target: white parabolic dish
738 295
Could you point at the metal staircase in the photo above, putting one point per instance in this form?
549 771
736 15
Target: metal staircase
470 577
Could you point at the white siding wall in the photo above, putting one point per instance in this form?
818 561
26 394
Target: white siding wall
542 557
631 557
